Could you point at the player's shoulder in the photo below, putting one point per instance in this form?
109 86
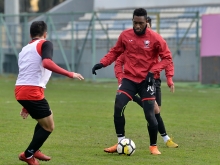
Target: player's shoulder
42 40
47 42
44 44
155 35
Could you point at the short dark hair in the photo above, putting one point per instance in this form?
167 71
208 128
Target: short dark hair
149 20
140 12
38 28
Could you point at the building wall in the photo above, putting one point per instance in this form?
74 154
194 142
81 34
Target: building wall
210 49
116 4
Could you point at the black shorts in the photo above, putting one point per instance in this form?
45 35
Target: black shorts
131 88
158 91
37 109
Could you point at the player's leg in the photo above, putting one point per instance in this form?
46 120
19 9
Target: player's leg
121 101
38 154
137 99
40 111
47 127
123 96
161 125
148 98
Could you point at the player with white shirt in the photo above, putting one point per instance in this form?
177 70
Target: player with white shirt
35 68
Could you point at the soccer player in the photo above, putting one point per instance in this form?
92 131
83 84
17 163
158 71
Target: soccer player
141 47
35 68
169 72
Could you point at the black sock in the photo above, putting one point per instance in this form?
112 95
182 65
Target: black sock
161 127
37 127
153 135
40 136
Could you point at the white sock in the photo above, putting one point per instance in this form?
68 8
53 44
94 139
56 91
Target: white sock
166 138
120 138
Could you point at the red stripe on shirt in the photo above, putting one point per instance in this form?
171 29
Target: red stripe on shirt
39 46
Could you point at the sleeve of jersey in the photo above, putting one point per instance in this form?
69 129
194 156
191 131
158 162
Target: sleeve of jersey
46 50
47 54
164 53
113 54
169 70
118 68
50 65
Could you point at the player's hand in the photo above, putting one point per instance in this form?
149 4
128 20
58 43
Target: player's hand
119 80
172 88
79 76
96 67
149 79
24 113
170 84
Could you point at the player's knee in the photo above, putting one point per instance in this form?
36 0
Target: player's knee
148 106
48 125
118 103
49 128
52 127
121 101
150 113
118 107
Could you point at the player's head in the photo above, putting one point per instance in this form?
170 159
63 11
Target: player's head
139 21
38 29
148 22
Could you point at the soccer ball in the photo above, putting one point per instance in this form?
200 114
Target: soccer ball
126 146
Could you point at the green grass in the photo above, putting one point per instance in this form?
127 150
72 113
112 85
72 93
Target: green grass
83 114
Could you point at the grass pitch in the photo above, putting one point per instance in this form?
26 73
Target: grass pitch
83 114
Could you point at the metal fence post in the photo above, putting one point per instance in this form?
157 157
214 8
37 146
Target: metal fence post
72 44
198 43
25 30
93 44
158 23
1 47
177 39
